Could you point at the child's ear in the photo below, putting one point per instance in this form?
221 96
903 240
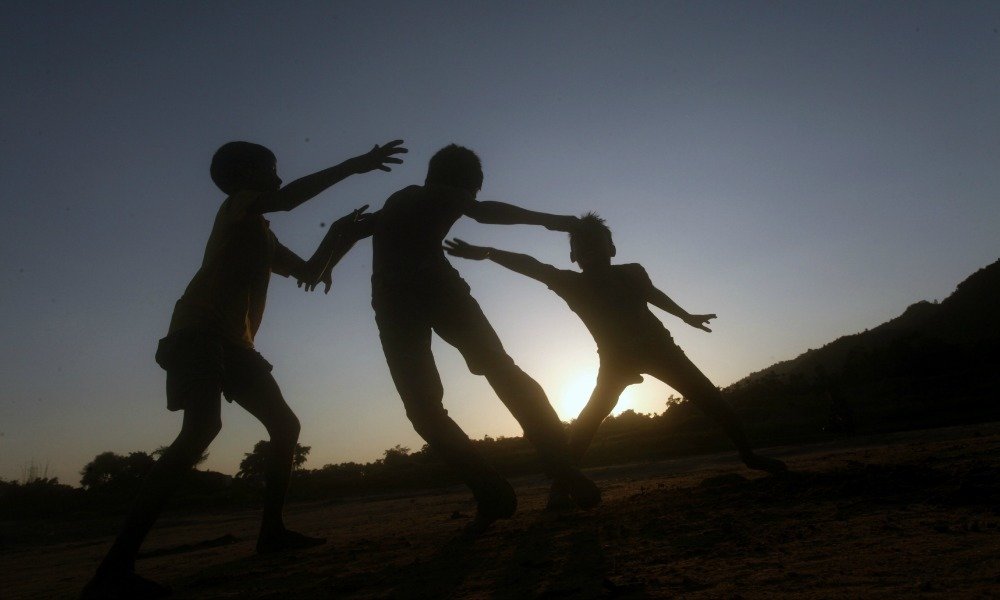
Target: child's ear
572 257
613 250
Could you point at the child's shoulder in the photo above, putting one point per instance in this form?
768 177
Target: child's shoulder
630 268
405 195
411 189
448 195
562 279
239 204
634 272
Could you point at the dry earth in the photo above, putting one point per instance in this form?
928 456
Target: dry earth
912 514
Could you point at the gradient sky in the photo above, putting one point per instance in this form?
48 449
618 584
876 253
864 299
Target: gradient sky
803 169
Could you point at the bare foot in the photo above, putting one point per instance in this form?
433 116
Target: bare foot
492 504
580 488
285 540
559 500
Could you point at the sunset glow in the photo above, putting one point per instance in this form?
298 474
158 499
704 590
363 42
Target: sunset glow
574 393
754 163
577 387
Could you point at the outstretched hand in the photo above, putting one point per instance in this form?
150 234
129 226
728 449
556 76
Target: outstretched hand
352 223
380 157
348 225
326 279
563 223
457 247
699 321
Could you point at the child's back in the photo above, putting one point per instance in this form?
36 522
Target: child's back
613 304
409 229
227 294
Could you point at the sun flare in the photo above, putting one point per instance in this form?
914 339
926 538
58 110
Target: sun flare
577 387
574 394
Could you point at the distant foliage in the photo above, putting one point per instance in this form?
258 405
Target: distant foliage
38 497
110 471
252 465
158 453
397 456
933 366
31 472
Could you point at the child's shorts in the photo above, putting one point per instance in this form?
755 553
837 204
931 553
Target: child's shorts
196 361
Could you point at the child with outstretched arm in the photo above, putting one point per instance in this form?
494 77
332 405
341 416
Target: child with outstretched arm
612 301
209 349
417 293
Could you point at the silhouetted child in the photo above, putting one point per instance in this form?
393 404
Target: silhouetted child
612 302
209 348
416 291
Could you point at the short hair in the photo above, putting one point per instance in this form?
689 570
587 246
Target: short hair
456 166
590 227
232 160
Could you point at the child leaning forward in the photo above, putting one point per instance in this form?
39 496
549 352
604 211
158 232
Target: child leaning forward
612 301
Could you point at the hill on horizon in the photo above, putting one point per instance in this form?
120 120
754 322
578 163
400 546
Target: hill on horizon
969 317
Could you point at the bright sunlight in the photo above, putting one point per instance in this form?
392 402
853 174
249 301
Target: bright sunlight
576 388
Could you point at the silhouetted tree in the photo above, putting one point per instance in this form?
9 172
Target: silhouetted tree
159 453
396 456
37 497
253 462
114 471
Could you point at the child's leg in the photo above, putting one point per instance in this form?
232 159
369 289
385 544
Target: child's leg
581 432
202 422
262 398
462 324
602 401
406 342
671 366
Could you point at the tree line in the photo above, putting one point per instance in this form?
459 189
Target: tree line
912 382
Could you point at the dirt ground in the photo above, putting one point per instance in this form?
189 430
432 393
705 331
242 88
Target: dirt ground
911 514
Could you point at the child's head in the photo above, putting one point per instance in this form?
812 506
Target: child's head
239 166
456 166
590 242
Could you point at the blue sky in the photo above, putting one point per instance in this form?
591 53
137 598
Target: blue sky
805 170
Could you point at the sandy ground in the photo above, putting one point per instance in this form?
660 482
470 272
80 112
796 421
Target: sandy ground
882 517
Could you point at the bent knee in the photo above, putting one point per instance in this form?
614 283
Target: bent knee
427 420
593 415
707 395
285 431
209 429
292 427
497 364
600 407
196 437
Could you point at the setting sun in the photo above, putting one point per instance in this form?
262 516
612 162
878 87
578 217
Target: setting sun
577 387
574 393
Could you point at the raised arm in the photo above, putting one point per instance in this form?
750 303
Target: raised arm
301 190
500 213
519 263
662 301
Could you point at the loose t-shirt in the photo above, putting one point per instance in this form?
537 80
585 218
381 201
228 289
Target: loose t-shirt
226 297
408 233
613 304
